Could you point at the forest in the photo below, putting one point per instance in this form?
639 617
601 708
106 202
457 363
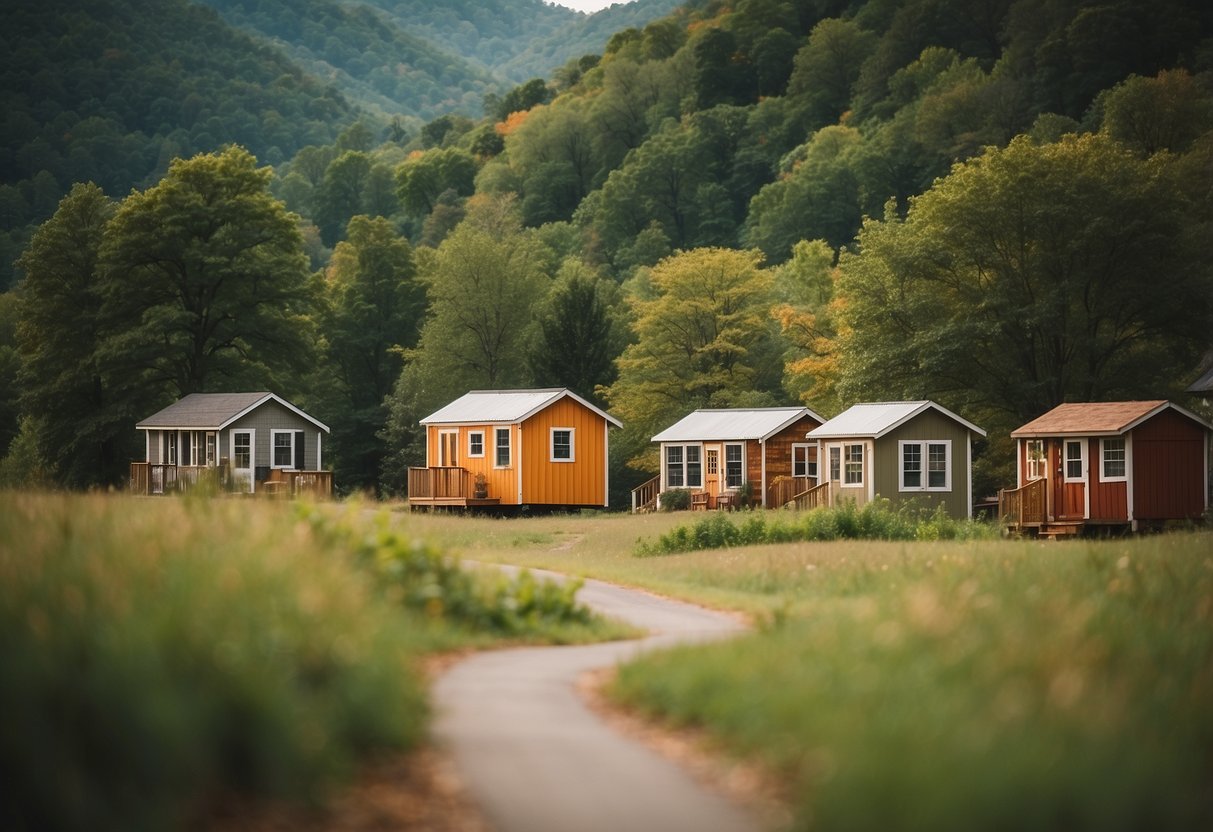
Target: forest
997 205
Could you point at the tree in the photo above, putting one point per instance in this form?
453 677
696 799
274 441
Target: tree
826 68
341 194
705 338
77 418
578 333
204 281
1168 112
423 177
1030 276
804 286
374 311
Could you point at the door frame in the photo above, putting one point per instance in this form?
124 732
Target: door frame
445 436
237 475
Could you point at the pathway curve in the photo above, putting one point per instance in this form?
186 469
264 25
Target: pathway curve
535 758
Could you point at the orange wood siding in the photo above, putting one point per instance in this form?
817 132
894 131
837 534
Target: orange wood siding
578 483
502 482
1168 468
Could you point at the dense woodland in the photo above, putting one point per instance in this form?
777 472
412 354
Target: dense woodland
998 205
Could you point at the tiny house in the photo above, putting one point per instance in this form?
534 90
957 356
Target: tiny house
253 441
1112 464
509 448
897 450
713 452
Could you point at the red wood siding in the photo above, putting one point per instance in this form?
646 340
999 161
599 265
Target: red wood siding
1168 468
1109 500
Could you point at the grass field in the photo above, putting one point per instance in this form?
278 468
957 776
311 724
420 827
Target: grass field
936 686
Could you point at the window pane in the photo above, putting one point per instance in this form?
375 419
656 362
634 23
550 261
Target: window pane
853 470
911 466
562 444
240 451
503 447
732 466
1074 460
1113 458
835 464
937 466
694 468
283 446
800 461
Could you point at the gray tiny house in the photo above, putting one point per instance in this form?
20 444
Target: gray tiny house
252 442
898 450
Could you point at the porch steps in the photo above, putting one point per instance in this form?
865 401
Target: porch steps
1055 531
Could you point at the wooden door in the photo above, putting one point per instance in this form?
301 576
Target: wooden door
448 448
1071 481
711 470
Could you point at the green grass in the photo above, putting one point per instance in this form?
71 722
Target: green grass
983 684
159 655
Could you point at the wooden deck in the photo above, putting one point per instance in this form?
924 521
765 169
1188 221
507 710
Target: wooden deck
451 487
1024 507
149 479
644 496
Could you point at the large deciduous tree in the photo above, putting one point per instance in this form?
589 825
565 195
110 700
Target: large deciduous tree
205 281
1030 276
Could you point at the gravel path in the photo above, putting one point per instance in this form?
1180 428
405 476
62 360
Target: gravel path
535 758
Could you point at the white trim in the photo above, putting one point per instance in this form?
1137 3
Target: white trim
1081 442
471 454
924 471
1021 462
725 478
805 447
842 463
1129 480
922 407
319 466
762 450
969 479
442 434
869 450
252 455
572 457
558 393
606 465
147 445
509 434
518 467
274 433
1101 472
280 401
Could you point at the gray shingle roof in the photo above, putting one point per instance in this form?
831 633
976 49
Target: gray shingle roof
212 411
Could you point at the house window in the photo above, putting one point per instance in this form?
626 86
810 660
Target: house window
675 473
562 445
733 470
210 449
1036 458
1112 452
283 443
170 447
1075 461
835 464
476 443
503 447
242 450
694 467
925 466
802 466
853 467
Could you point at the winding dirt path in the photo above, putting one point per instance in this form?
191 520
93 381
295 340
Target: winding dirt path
537 759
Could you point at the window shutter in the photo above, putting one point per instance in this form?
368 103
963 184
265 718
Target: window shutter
300 451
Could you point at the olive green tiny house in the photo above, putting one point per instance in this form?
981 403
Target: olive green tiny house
901 451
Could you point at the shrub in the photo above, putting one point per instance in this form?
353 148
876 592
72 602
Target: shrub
676 499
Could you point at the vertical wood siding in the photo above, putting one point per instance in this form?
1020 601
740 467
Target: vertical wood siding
1109 500
502 482
1168 468
578 483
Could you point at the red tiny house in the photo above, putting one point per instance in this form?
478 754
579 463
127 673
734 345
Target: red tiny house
1108 464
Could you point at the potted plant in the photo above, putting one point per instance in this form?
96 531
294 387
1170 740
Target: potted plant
480 488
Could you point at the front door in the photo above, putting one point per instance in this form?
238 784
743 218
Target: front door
242 460
448 448
711 468
1070 500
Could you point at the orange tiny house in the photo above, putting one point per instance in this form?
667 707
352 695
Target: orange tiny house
510 448
1108 464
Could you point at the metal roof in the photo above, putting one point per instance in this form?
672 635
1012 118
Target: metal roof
875 419
721 425
215 411
1096 418
504 406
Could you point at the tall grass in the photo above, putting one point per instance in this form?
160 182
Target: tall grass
159 655
1014 686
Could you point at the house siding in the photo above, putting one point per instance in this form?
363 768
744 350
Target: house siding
267 417
1109 500
1168 468
929 425
779 447
578 483
502 482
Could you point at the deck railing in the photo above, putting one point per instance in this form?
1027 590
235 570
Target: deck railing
318 484
644 496
153 478
438 483
815 497
163 478
1022 506
783 489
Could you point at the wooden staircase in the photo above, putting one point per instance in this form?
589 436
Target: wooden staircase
1056 530
644 496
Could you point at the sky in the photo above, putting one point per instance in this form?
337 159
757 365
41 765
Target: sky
586 5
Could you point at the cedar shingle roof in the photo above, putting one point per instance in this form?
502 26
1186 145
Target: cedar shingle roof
1090 418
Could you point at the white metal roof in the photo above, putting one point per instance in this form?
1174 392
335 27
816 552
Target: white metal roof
504 406
875 419
214 411
721 425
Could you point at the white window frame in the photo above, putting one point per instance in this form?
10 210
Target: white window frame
472 453
800 455
698 462
740 461
274 434
846 461
252 454
679 465
1035 467
1066 460
1103 459
924 456
498 447
211 457
572 457
172 447
835 454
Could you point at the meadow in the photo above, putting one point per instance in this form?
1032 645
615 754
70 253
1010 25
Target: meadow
948 685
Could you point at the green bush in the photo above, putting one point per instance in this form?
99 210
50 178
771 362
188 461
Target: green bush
676 499
877 520
158 655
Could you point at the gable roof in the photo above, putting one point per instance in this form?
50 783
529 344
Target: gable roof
215 411
480 407
1097 418
1204 384
875 419
723 424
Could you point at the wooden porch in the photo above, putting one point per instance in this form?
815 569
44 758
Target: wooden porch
447 486
1025 508
785 490
149 479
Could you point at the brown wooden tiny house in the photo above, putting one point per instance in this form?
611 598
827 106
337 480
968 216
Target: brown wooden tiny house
1108 464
